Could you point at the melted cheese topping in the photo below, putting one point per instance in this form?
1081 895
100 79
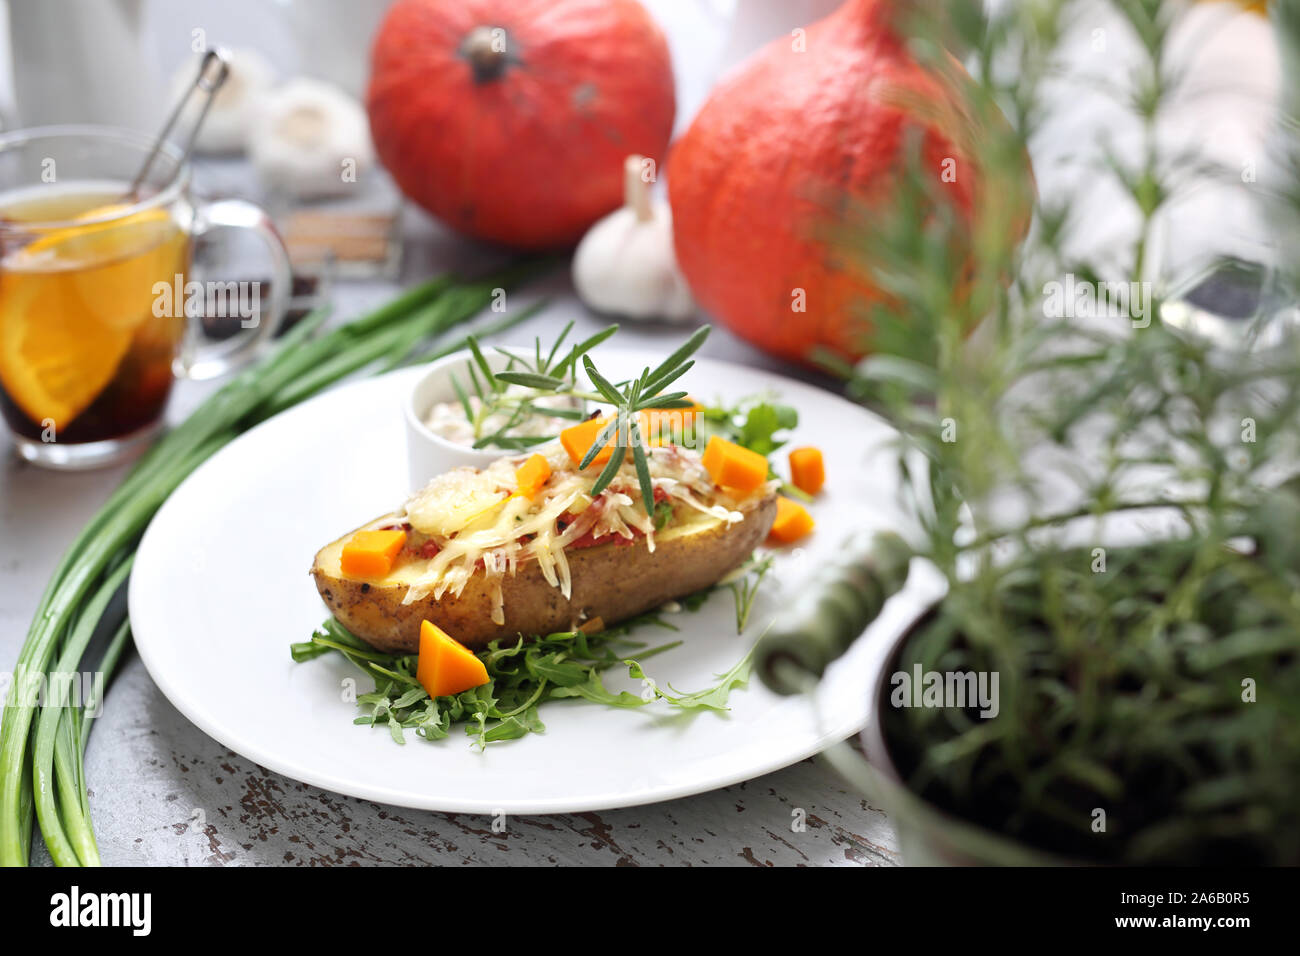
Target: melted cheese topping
479 522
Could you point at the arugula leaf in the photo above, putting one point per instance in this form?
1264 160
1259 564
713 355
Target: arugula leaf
594 690
554 667
711 698
761 424
512 728
306 650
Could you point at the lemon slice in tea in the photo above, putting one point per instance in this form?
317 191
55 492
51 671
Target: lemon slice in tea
70 303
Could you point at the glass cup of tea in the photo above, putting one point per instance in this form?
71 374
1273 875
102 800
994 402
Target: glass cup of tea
100 308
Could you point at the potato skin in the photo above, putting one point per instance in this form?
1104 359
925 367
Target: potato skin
610 581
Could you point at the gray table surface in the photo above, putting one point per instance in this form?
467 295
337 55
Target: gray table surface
163 793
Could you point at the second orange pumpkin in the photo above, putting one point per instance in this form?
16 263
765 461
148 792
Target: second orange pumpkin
771 159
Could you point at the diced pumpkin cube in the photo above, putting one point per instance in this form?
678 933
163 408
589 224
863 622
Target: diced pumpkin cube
734 466
531 476
445 667
807 470
370 554
792 521
578 438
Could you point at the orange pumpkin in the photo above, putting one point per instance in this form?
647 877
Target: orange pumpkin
510 119
772 158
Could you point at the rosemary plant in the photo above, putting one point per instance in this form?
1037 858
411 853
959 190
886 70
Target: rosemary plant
1149 669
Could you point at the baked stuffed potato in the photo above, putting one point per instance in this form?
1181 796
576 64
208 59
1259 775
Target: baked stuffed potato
494 553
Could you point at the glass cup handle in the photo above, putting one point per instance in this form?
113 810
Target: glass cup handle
217 358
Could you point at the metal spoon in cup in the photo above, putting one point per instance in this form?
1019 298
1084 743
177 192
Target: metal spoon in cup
213 70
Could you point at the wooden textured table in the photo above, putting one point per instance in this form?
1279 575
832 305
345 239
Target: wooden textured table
163 793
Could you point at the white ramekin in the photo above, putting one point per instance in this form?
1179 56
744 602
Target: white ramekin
428 454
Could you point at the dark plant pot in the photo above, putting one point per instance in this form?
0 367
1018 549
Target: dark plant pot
928 835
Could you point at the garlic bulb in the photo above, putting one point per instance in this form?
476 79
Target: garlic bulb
310 139
625 264
225 129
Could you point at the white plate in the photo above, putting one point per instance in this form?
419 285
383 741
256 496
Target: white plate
220 589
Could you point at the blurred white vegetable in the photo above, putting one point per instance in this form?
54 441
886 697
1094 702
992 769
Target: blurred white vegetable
310 139
625 264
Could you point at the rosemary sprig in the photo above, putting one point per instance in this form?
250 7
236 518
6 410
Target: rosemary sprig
550 380
644 392
550 374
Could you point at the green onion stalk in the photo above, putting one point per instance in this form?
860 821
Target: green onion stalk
42 744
